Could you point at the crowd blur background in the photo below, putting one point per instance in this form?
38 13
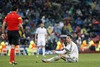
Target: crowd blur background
80 18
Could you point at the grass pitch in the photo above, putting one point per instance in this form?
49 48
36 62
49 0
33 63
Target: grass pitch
85 60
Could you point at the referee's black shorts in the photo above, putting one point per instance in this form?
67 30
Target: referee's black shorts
13 37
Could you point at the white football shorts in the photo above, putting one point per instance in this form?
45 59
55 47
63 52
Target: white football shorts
41 42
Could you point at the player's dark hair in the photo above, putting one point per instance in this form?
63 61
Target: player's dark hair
14 8
69 35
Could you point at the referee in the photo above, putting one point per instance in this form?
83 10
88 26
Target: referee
14 23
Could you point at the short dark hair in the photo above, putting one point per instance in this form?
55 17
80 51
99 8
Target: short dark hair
69 35
14 8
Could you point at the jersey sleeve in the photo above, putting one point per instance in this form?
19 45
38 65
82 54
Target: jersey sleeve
36 31
46 31
20 20
73 47
61 52
70 47
67 49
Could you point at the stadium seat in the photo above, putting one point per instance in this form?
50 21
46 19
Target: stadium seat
22 51
17 51
4 51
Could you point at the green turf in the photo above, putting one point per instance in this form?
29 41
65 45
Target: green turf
85 60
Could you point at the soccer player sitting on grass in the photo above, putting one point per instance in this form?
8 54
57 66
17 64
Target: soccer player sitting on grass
68 54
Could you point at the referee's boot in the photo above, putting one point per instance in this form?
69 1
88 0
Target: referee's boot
14 63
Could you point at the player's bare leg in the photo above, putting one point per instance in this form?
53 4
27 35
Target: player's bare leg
56 58
63 57
68 59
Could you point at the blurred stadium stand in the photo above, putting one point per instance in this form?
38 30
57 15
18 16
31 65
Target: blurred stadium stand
80 18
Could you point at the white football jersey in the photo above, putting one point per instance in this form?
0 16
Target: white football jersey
72 49
41 33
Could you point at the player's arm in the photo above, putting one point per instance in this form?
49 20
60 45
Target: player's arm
61 52
36 33
22 29
46 36
3 29
67 50
4 24
21 26
36 37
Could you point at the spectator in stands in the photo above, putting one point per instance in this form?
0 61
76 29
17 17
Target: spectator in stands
54 11
79 22
65 30
84 46
98 46
50 30
92 45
